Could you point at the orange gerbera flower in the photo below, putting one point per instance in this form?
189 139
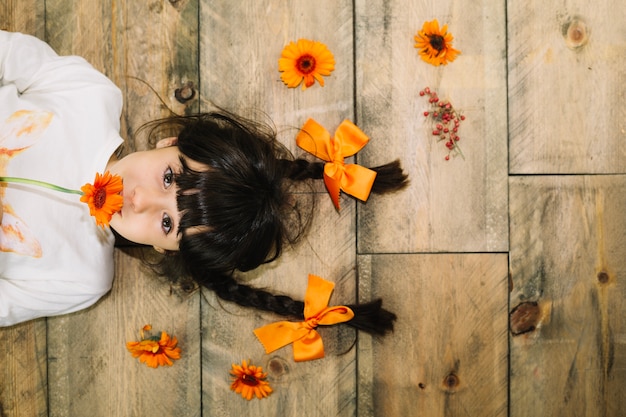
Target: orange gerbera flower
155 350
434 44
249 380
305 60
103 197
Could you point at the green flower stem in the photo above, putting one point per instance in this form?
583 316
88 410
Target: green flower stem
40 184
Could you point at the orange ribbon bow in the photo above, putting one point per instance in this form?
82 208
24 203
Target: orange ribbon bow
307 343
349 139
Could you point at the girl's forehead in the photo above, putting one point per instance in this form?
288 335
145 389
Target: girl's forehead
192 163
173 153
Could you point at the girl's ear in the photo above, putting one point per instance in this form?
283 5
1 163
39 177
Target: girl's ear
158 249
164 143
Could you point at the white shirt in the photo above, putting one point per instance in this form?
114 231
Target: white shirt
59 123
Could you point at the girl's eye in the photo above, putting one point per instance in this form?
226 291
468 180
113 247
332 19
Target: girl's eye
168 177
166 224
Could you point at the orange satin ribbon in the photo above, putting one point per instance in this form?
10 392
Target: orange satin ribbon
307 343
349 139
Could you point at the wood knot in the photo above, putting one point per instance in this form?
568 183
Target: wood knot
185 93
603 277
524 318
576 33
277 367
451 381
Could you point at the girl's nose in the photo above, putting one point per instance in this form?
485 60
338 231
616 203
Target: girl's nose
142 199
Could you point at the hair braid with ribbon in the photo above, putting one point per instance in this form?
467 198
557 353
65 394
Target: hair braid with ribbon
369 317
390 176
352 179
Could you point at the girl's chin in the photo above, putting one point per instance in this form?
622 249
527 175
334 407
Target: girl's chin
115 219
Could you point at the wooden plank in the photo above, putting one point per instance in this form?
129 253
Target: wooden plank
240 72
568 260
93 373
26 16
567 87
456 205
448 353
23 370
81 28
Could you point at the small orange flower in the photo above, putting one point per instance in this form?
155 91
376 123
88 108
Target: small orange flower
435 45
155 350
249 380
103 197
305 60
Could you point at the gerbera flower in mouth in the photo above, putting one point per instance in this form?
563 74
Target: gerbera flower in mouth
155 350
435 44
249 380
307 61
103 197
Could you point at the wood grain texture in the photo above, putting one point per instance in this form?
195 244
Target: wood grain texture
456 205
81 28
448 353
23 370
240 72
26 16
568 255
567 83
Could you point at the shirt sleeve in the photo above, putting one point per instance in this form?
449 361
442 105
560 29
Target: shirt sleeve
34 67
27 300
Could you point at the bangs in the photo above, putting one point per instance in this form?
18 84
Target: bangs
234 201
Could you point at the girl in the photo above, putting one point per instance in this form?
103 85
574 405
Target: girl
213 196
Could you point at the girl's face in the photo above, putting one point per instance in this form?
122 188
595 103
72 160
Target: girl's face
150 214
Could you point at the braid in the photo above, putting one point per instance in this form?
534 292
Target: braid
227 288
369 317
301 169
389 177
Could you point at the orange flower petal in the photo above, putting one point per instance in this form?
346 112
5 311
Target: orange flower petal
249 381
305 61
103 197
435 44
153 352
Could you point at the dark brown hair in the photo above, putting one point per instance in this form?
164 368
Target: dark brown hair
238 213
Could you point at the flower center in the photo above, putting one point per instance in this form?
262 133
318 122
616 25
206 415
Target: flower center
306 64
249 380
437 42
99 198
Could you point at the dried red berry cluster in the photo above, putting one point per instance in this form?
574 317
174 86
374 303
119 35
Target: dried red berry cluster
447 122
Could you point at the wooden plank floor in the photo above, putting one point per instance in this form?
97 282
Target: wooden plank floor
507 268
